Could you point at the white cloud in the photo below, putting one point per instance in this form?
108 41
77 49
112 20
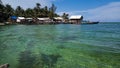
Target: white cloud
27 3
109 12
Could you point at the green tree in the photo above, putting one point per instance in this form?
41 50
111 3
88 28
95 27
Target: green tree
38 5
3 15
37 10
52 10
29 12
65 16
42 13
9 9
19 11
2 8
46 11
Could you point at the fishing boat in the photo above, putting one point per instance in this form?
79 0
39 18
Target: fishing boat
90 22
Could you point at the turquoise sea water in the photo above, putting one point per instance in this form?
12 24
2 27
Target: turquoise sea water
61 46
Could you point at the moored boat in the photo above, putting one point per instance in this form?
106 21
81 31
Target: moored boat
90 22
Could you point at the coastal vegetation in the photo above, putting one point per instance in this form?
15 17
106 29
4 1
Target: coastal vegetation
36 12
35 15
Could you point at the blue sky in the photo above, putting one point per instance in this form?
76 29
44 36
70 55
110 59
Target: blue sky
94 10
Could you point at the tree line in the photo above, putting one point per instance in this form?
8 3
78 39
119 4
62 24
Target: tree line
37 11
7 10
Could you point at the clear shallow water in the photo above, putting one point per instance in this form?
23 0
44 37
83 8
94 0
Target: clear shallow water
60 46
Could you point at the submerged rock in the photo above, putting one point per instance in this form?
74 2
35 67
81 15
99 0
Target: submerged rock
4 65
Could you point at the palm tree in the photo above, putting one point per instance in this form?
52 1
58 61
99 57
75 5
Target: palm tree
3 15
52 10
65 16
38 5
29 12
9 9
2 7
37 10
46 11
19 11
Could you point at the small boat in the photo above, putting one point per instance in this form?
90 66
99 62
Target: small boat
90 22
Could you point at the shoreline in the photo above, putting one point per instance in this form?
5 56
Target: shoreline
42 23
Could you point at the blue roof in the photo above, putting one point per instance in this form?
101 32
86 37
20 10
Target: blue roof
13 17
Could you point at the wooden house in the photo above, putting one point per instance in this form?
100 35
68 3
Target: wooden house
76 19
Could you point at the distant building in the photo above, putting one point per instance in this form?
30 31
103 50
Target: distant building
28 18
20 19
12 19
76 19
44 20
58 19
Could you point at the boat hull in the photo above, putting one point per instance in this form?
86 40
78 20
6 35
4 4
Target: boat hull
90 23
